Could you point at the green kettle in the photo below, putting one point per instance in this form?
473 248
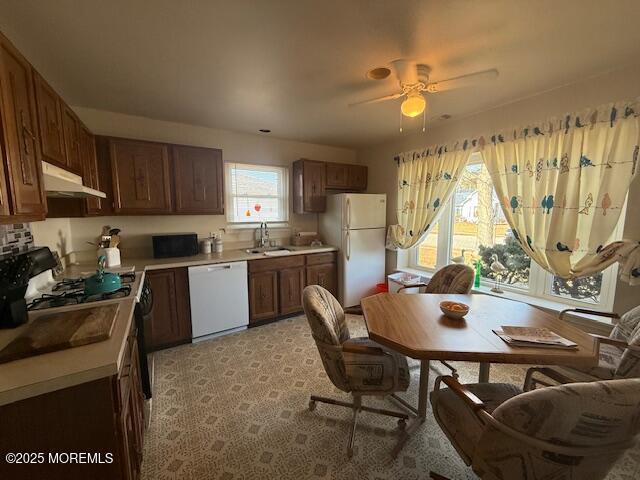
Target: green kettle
101 282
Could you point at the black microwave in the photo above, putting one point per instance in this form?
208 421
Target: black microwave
175 245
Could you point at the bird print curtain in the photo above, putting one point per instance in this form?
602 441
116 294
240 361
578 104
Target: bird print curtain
563 184
426 180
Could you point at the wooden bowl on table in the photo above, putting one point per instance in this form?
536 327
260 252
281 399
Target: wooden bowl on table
455 310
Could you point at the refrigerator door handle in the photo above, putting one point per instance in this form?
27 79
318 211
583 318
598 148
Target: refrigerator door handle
348 245
348 214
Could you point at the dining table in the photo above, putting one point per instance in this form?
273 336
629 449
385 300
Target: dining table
414 325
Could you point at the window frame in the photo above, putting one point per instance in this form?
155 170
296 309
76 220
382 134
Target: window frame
540 280
283 196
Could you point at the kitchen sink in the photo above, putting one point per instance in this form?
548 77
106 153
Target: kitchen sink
266 249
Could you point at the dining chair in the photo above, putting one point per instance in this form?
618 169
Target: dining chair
577 430
618 354
455 278
357 366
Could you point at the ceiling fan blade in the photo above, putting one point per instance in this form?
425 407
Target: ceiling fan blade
376 100
406 71
462 81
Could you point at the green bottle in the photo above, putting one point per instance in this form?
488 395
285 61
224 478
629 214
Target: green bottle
476 280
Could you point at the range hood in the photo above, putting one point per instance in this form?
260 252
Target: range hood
62 184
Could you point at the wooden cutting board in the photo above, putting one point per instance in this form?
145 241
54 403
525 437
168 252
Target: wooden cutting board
59 331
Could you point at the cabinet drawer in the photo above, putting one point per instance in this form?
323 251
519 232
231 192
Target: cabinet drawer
320 258
264 265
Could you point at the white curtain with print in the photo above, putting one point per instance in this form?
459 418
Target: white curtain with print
426 180
563 185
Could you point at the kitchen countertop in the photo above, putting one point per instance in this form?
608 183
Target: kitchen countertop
48 372
32 376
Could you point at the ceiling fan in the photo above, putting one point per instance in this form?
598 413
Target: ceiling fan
414 82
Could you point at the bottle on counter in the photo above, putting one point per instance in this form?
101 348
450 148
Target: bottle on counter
207 245
218 243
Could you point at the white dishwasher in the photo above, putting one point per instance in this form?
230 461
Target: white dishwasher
219 299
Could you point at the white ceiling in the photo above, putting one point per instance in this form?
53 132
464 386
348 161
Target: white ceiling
294 65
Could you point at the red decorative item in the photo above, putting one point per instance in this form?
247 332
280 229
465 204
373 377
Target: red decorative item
257 207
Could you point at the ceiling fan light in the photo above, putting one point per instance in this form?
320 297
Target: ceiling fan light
413 105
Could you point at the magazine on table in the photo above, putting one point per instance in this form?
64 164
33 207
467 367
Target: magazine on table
533 337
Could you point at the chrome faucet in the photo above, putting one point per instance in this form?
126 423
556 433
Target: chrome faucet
264 235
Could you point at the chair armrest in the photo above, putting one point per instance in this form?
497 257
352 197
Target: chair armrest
611 341
357 310
362 349
469 398
588 312
419 285
550 373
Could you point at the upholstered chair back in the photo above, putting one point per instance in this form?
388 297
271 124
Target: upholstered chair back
451 279
586 427
329 329
628 329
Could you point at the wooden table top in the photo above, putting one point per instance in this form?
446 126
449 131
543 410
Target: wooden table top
413 324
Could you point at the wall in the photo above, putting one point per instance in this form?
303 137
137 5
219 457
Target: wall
236 147
612 86
15 238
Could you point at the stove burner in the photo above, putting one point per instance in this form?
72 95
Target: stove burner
59 300
69 284
75 297
122 292
128 277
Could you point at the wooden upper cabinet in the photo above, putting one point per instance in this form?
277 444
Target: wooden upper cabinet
89 169
337 175
309 183
20 135
70 130
357 177
198 174
50 123
141 181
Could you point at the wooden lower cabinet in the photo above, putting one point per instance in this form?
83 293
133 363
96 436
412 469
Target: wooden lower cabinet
276 284
324 275
104 416
290 285
263 296
171 315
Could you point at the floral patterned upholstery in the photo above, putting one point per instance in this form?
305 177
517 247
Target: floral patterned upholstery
614 361
376 371
451 279
567 432
460 424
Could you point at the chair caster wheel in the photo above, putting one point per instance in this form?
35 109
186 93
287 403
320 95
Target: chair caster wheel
312 405
402 424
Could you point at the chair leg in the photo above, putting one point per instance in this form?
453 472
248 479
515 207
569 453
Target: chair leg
357 403
435 476
357 407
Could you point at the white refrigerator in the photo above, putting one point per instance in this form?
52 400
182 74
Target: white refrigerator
356 224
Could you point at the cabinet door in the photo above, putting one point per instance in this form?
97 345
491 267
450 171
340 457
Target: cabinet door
198 180
290 286
50 123
140 177
324 275
19 124
71 140
89 169
263 296
171 316
357 177
337 175
314 181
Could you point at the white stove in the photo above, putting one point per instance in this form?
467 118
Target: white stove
43 291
